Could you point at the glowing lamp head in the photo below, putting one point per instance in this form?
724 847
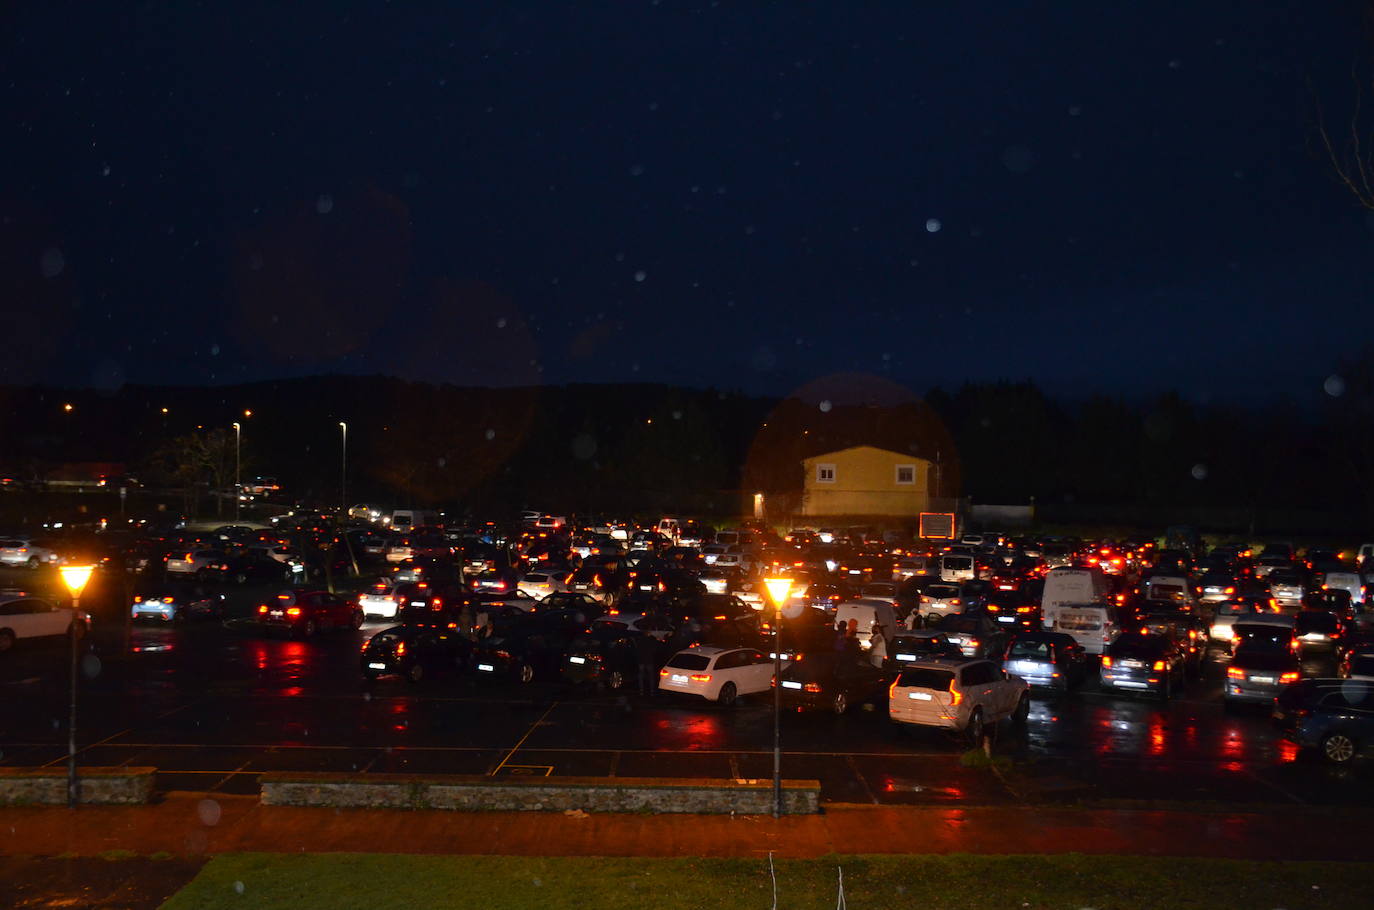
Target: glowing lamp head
75 577
779 589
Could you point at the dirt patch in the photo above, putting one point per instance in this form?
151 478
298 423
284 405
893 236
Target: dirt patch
33 882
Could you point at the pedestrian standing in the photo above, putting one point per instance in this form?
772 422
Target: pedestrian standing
877 646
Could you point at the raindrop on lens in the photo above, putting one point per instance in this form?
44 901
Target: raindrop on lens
324 204
825 406
1199 472
933 225
90 666
1334 386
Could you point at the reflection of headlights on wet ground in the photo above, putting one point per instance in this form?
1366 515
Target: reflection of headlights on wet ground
153 647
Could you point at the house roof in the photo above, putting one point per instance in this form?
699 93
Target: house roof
905 456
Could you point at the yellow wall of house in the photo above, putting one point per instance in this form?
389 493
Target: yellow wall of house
866 484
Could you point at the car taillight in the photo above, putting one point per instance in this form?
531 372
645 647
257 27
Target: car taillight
955 697
138 599
663 672
502 654
1026 609
701 677
1290 677
811 687
262 609
1158 666
973 643
1235 673
1106 661
293 611
400 649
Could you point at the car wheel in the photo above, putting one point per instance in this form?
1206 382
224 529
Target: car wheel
839 703
728 694
415 673
975 726
615 679
356 621
1338 748
33 562
309 629
6 640
932 619
1022 713
526 673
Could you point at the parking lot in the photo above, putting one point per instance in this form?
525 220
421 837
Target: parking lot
213 703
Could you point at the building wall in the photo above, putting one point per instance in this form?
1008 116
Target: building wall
866 484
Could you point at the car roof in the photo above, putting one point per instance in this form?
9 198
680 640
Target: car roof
708 650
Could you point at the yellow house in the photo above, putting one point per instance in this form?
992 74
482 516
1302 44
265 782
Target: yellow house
864 480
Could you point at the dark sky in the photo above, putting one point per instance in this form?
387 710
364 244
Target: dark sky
1104 197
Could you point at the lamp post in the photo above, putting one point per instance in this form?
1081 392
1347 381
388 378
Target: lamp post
779 589
238 481
75 578
343 471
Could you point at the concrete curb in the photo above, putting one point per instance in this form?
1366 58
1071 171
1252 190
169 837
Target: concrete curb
591 794
95 786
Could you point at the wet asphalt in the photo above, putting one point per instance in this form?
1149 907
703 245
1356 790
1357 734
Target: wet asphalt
213 704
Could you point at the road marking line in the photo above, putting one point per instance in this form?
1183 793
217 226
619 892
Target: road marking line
849 760
1273 786
523 738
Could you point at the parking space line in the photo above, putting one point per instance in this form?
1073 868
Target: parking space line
517 746
854 768
1275 787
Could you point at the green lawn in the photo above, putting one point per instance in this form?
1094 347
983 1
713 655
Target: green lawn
379 881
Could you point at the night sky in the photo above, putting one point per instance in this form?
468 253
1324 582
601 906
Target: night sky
1103 197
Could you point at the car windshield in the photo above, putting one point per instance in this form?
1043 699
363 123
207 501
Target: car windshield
942 592
935 679
1231 608
1030 650
1137 646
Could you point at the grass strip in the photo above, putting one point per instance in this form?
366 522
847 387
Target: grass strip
331 881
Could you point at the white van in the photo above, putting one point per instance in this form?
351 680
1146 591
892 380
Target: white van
1092 625
956 567
867 612
669 528
406 520
1066 585
1174 588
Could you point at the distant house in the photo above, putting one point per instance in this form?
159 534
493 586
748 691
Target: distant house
864 480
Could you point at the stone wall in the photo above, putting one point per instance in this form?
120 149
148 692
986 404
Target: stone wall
96 786
592 794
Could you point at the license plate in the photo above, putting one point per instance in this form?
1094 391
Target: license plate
1006 619
788 684
577 660
906 656
376 666
1132 663
486 668
418 603
646 587
1267 680
1132 685
679 679
919 696
276 614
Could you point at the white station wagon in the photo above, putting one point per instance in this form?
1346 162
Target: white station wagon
960 695
717 674
22 616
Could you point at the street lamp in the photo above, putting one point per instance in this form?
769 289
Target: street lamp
779 589
343 471
75 578
238 481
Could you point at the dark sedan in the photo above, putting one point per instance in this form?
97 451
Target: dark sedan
414 652
525 645
1144 663
606 658
833 681
248 567
1263 666
1333 716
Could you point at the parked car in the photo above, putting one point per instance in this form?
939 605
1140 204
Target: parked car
1333 716
917 646
169 606
1263 665
1051 660
542 584
24 551
248 567
604 656
306 612
1286 586
976 634
414 652
1144 663
717 674
1318 631
23 616
1227 613
959 695
194 562
523 646
833 680
936 601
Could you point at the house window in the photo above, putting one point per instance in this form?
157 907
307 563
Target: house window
825 473
906 474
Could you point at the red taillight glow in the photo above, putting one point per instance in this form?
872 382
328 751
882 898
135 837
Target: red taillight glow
1235 673
956 697
1159 666
1106 661
293 611
811 687
663 672
400 649
1290 677
701 677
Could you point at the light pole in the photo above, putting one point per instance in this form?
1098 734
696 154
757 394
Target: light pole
238 481
75 578
343 471
779 589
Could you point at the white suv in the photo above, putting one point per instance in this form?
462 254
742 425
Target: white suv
21 551
22 616
959 695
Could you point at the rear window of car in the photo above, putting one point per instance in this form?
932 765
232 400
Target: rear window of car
1136 646
609 625
959 624
926 678
958 562
1235 609
1317 622
942 591
1030 650
1277 636
689 662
